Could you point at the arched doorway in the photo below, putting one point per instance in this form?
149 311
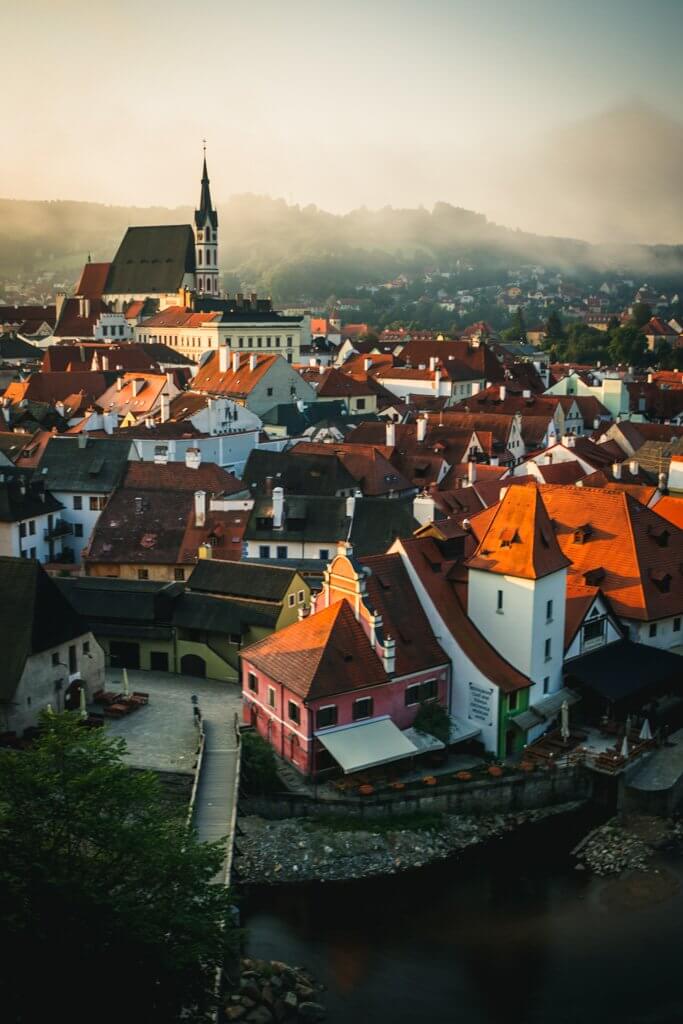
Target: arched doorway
193 665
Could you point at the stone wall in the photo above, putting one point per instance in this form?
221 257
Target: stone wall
487 796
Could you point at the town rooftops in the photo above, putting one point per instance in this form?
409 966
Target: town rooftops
239 382
23 497
94 468
77 318
92 280
152 259
242 580
520 540
129 356
12 347
176 476
34 616
180 316
48 388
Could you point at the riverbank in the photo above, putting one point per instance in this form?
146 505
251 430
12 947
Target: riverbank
271 991
303 850
627 843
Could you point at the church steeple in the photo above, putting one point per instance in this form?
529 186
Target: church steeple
206 239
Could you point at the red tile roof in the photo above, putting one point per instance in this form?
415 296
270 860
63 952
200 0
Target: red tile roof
237 383
57 387
72 325
671 508
367 464
179 316
80 357
322 655
92 281
176 476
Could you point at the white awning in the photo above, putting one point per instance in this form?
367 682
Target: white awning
365 744
461 730
424 742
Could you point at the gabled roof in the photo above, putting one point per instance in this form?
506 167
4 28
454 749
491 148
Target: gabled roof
238 383
242 580
58 387
34 616
96 468
92 280
180 316
80 357
176 476
151 260
322 655
520 540
369 467
333 383
23 497
671 508
12 347
306 474
72 325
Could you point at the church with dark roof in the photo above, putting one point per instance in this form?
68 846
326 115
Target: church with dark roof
167 262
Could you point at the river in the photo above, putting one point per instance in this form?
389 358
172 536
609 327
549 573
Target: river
506 934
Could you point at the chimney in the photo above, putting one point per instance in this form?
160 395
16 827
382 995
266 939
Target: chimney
552 440
278 508
252 362
193 458
170 382
526 393
235 361
105 363
650 378
471 472
119 383
390 434
200 508
389 655
432 364
662 482
312 361
350 505
136 386
165 408
502 392
321 369
223 359
367 363
596 423
494 460
424 508
616 470
476 388
633 466
83 439
421 425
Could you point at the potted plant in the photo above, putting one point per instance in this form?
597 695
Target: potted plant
366 789
429 780
495 770
463 776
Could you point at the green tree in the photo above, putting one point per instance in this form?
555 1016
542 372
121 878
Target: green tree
627 345
517 329
258 773
554 326
433 720
640 314
105 898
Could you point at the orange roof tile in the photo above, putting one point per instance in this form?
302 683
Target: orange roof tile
671 508
238 382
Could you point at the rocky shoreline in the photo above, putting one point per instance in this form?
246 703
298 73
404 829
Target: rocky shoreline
271 991
626 844
303 849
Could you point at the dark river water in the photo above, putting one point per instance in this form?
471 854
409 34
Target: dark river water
510 933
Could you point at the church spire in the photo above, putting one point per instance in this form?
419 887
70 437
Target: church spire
206 240
205 213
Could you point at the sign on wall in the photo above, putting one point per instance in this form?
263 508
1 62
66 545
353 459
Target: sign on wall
481 704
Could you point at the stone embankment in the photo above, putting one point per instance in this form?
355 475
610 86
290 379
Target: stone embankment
626 844
270 992
298 850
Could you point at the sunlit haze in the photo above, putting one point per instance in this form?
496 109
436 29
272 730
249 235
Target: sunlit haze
521 110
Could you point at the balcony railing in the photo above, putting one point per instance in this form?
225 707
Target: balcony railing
60 528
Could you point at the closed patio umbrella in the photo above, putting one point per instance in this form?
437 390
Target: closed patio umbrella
81 697
564 721
645 730
126 687
627 726
624 748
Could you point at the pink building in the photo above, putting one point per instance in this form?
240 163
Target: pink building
338 688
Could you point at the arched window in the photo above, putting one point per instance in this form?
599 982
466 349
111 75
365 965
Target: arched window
200 257
200 283
208 256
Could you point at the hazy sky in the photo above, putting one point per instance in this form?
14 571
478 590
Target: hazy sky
370 102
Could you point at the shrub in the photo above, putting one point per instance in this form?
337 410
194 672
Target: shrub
258 773
432 719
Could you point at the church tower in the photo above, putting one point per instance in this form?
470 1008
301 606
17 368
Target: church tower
206 240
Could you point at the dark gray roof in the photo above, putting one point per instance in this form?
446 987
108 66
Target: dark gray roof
152 259
624 669
34 616
288 415
140 602
222 615
23 496
12 347
307 518
241 580
164 354
377 522
298 474
97 468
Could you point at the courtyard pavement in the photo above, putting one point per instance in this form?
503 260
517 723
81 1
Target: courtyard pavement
162 735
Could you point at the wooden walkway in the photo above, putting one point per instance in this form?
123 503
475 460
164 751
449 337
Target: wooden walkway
215 808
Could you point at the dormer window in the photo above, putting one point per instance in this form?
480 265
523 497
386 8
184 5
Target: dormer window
582 533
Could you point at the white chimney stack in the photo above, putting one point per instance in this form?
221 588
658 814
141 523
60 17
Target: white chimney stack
502 392
193 458
119 383
223 359
476 388
350 505
633 466
650 378
424 508
252 361
391 434
389 655
526 393
165 408
105 362
367 363
471 472
235 361
421 427
136 386
278 508
200 508
432 364
616 470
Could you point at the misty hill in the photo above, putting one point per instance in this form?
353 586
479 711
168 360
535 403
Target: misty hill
292 251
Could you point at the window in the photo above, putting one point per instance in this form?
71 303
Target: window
499 601
33 553
78 529
73 664
143 574
653 629
512 702
86 647
418 692
594 632
55 658
289 341
252 682
677 625
22 529
546 683
96 504
548 649
269 392
235 639
291 600
264 551
271 696
549 611
200 257
293 712
179 574
281 551
362 708
302 597
32 528
360 403
78 502
326 717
